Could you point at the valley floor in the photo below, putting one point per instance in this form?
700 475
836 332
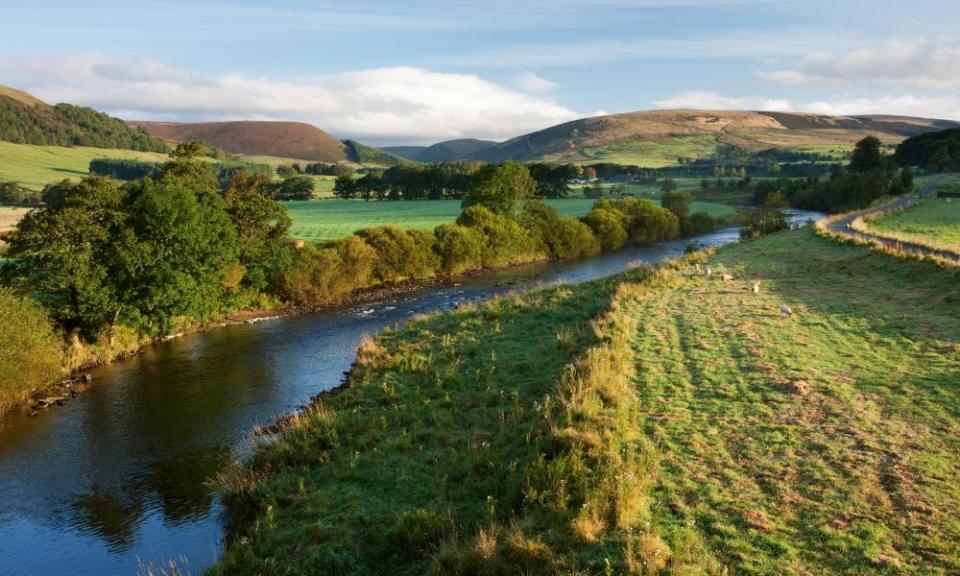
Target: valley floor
658 422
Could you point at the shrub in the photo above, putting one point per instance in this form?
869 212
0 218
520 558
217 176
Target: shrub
560 237
30 353
459 248
700 223
648 223
357 259
312 278
400 255
607 226
504 239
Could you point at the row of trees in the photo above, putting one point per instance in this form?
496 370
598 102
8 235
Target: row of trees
447 180
13 193
869 175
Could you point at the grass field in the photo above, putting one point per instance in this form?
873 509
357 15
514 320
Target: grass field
659 423
933 223
324 220
9 216
35 166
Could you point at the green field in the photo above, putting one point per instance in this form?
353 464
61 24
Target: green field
323 220
933 223
36 166
662 422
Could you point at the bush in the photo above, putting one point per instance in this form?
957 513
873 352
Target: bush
504 240
700 223
399 254
557 236
357 259
30 353
648 223
13 193
124 169
314 278
460 248
607 226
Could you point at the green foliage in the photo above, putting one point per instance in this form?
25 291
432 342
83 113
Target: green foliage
646 222
262 226
67 125
13 193
30 352
504 240
124 168
937 151
559 237
501 188
460 248
292 188
401 255
607 226
867 156
766 219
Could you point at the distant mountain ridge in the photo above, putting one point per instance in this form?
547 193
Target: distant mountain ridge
25 119
461 149
659 137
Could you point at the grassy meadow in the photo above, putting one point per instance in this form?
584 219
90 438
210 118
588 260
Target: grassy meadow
933 222
660 422
324 220
36 166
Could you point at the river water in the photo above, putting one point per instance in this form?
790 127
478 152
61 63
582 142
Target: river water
121 477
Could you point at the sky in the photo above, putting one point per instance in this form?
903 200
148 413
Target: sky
421 71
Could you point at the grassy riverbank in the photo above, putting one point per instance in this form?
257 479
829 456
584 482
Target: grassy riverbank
658 422
934 223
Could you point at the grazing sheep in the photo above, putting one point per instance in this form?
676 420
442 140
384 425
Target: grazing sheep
697 267
728 277
709 271
785 310
756 286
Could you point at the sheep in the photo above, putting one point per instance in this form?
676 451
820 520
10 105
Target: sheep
727 277
785 310
756 286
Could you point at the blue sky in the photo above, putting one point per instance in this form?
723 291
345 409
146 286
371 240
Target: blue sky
423 70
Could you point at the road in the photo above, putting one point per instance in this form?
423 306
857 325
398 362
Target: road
844 226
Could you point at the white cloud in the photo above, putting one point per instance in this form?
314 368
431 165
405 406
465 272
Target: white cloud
945 106
397 104
700 100
533 83
907 63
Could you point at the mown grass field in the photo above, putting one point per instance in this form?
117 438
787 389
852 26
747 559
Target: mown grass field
933 222
36 166
323 220
661 422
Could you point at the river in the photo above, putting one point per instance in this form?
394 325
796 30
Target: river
122 476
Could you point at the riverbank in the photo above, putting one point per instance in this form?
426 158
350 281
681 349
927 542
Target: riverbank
660 421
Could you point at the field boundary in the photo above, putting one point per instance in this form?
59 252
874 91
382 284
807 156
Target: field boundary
853 226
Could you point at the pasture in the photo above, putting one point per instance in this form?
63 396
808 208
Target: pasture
325 220
36 166
934 223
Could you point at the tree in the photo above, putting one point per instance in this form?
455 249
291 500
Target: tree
344 187
295 188
668 185
678 203
589 173
766 219
261 224
867 156
501 188
67 251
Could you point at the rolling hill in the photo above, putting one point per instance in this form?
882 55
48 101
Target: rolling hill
443 151
285 139
25 119
659 137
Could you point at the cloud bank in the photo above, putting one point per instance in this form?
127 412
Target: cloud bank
383 105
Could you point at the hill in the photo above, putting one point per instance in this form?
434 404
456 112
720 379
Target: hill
295 140
658 137
357 152
27 120
937 150
408 152
462 149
